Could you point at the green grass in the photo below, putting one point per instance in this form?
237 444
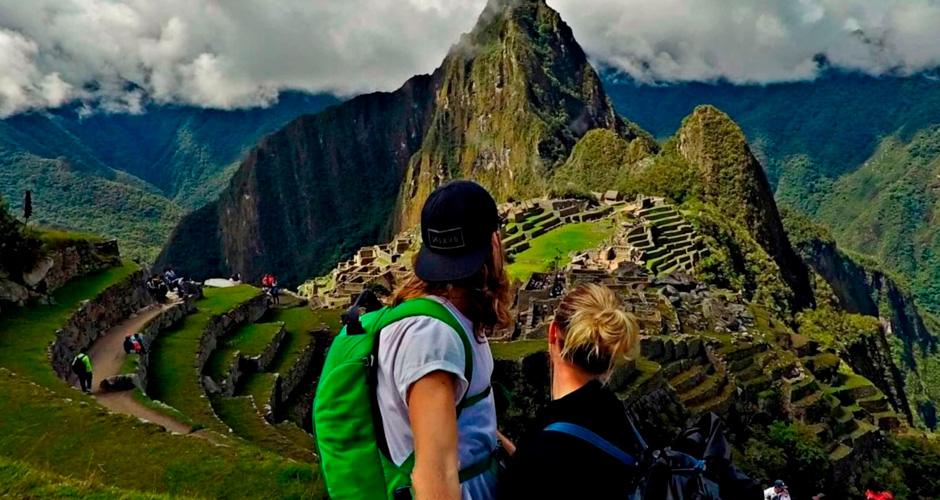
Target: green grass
18 481
242 415
165 409
85 442
173 377
299 323
553 247
259 387
250 340
518 349
26 333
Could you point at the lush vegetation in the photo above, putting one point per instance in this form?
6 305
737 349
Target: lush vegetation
56 429
833 153
173 379
17 248
550 250
909 468
131 177
250 340
786 450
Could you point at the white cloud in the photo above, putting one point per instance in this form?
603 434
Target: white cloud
756 41
116 54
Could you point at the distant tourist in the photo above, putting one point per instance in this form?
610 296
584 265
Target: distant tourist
138 343
128 344
157 288
434 364
81 365
589 333
269 285
777 492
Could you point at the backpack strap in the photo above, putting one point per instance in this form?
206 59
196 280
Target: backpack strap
424 306
591 437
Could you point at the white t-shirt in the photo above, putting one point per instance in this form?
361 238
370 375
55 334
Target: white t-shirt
770 494
415 347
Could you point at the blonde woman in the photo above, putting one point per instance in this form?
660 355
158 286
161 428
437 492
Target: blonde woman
438 421
583 442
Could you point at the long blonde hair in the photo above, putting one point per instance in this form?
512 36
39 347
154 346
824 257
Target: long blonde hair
485 297
594 329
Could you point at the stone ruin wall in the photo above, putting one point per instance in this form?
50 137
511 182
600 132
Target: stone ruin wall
169 317
245 365
77 259
96 316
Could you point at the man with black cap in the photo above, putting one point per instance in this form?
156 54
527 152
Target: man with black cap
777 492
433 387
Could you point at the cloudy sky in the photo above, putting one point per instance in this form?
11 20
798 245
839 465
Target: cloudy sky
115 54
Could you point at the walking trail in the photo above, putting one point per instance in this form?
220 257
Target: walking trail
107 358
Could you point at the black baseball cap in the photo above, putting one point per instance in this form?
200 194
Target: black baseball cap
457 226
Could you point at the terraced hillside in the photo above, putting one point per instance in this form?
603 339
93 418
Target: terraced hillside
666 242
48 425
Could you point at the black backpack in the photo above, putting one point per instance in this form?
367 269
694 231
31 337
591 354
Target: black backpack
697 467
78 365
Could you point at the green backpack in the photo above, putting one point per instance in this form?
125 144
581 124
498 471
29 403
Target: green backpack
354 457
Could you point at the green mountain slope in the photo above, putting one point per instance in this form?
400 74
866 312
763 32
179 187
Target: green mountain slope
131 177
855 153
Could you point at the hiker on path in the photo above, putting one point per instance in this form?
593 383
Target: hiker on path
589 333
777 492
128 344
138 342
81 365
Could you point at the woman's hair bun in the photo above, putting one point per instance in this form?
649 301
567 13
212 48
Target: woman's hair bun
595 329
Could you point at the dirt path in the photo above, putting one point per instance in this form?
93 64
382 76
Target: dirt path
107 358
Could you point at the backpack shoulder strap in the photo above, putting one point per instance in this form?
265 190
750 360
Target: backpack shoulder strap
423 306
593 438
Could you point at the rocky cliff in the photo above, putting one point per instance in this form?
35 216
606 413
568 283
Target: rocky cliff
505 108
901 358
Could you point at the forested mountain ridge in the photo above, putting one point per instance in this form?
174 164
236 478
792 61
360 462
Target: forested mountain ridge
856 153
131 176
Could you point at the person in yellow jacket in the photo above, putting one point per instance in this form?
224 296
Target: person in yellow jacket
81 365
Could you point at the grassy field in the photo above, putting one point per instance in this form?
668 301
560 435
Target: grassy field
173 378
299 322
518 349
26 333
241 414
552 248
83 441
18 481
250 340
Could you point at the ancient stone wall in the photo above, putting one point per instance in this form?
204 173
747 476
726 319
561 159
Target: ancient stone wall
79 259
244 365
96 316
300 382
166 319
224 324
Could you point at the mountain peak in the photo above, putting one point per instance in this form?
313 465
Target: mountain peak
733 179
